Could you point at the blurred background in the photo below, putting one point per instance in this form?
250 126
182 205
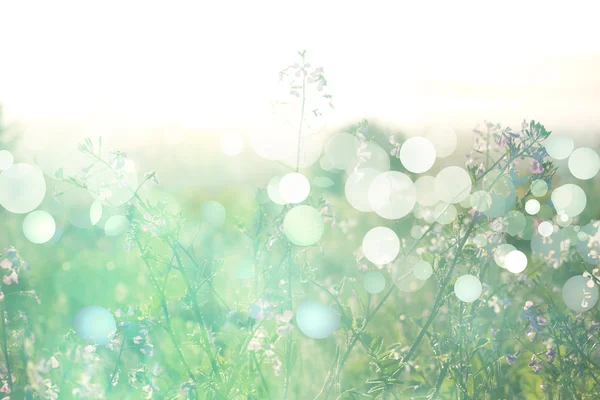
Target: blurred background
155 78
167 81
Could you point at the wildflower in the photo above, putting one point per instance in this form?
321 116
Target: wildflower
283 323
494 302
115 379
512 358
147 349
12 252
550 355
535 320
255 343
535 364
188 387
148 390
535 166
261 310
277 367
151 175
11 278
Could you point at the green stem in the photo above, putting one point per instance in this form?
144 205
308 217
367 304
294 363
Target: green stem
288 351
112 376
260 374
440 295
163 301
301 115
199 319
4 317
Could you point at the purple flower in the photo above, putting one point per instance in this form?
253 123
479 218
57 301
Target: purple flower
512 358
550 354
535 364
535 320
535 167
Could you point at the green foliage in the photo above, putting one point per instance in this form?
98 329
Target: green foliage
207 312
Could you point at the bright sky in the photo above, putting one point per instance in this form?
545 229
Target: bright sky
212 64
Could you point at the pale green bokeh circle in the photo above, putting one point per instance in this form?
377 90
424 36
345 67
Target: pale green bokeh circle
532 206
452 184
468 288
515 261
116 225
39 227
559 147
95 212
6 159
501 252
392 195
584 163
326 163
416 232
273 191
381 245
213 213
481 201
569 199
545 228
340 151
529 230
22 188
402 274
294 188
445 213
316 320
563 220
426 195
417 154
515 223
539 188
422 270
303 225
578 294
357 188
95 325
480 240
374 282
371 155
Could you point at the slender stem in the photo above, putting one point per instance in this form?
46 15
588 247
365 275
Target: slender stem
197 265
288 351
199 319
440 295
4 317
163 301
301 115
112 376
260 374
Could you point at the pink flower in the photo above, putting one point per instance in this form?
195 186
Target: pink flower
5 388
11 278
535 166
